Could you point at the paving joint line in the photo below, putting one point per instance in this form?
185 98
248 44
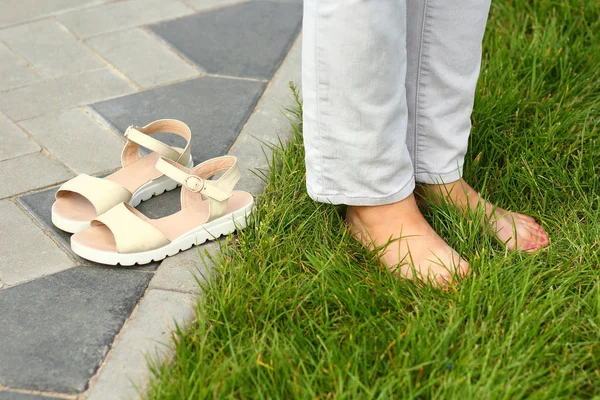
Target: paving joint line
55 13
75 75
36 190
185 4
218 6
269 84
52 185
165 289
103 120
240 78
110 129
44 150
139 26
22 155
160 39
94 378
108 63
23 58
50 235
200 75
39 393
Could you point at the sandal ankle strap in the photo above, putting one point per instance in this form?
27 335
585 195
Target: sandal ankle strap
191 181
140 136
196 182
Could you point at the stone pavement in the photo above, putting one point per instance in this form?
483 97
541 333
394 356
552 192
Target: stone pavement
73 75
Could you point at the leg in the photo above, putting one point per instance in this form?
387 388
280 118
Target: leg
355 118
444 57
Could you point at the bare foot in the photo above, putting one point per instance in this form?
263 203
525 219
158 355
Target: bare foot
516 231
409 246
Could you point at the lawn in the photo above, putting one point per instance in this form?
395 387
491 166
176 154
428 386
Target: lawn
300 310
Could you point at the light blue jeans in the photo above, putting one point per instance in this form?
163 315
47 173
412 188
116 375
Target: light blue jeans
388 88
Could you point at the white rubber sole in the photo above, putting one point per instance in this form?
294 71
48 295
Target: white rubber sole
145 192
212 230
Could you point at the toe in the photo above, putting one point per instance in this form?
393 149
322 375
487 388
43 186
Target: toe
463 268
535 241
460 268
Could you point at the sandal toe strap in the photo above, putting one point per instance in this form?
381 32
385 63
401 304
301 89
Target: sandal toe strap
132 233
102 193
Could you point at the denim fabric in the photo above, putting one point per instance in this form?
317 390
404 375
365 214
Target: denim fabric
388 88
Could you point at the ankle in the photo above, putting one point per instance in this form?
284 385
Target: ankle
407 205
458 193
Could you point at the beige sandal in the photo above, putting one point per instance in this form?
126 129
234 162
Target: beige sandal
209 209
83 198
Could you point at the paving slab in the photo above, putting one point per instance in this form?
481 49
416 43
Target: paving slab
25 251
62 94
39 206
146 335
269 123
57 330
12 395
14 142
245 40
13 12
185 271
142 58
121 15
29 172
81 143
14 71
50 48
214 108
202 5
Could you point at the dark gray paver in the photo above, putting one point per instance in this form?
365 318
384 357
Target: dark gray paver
57 330
39 205
214 108
10 395
161 206
247 40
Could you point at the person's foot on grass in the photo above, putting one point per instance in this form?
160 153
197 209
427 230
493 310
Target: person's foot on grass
516 231
407 244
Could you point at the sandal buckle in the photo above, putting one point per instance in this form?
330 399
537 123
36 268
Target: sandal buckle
194 188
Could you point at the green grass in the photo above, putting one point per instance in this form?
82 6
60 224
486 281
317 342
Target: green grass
300 310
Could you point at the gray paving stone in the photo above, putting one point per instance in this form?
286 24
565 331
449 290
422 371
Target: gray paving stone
14 142
63 93
57 330
14 71
13 12
214 108
121 15
39 205
142 58
202 5
147 334
25 251
184 271
268 124
81 143
29 172
11 395
50 48
246 40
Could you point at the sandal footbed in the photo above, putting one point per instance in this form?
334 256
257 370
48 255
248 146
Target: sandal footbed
173 226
